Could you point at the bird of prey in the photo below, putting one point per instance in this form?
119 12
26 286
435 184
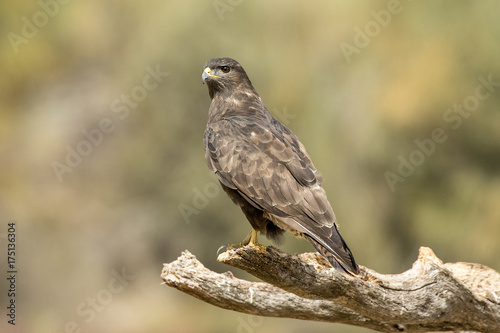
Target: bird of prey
264 168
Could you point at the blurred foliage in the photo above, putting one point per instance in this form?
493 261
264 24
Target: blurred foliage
358 116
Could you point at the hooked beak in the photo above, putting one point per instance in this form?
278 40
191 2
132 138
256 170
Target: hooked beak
206 75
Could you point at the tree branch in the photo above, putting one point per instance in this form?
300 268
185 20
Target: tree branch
431 296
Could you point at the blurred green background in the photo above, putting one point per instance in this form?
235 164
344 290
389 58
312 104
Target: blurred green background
359 82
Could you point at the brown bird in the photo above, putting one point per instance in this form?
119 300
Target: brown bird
264 168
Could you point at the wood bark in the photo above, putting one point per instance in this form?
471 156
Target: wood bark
431 296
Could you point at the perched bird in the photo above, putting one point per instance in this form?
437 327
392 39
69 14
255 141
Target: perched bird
264 168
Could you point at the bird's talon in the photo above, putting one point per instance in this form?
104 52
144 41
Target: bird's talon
259 246
224 248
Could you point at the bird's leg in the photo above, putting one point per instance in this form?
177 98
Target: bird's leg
250 239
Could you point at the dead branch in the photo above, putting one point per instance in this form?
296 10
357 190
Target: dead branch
431 296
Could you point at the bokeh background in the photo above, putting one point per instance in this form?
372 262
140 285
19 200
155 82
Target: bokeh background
140 193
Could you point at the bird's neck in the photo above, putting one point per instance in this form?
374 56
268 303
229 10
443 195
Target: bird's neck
246 103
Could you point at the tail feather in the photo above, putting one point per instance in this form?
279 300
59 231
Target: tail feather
337 253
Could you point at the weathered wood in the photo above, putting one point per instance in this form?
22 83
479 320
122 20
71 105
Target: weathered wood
431 296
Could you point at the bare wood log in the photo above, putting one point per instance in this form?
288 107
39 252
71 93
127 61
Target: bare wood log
224 290
431 296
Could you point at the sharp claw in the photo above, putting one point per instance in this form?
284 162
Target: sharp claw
223 247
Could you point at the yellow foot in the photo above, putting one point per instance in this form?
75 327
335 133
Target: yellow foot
250 239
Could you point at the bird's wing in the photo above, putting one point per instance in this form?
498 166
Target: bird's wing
270 168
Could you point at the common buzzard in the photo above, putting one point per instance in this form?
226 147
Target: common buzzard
264 168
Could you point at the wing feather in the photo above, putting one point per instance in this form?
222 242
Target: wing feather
273 170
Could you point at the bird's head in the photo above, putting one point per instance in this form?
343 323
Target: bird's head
224 75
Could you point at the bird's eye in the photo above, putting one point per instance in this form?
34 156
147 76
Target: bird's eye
225 69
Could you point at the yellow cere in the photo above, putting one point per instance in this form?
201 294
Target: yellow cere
208 70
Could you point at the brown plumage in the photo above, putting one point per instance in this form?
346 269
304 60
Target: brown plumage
264 168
